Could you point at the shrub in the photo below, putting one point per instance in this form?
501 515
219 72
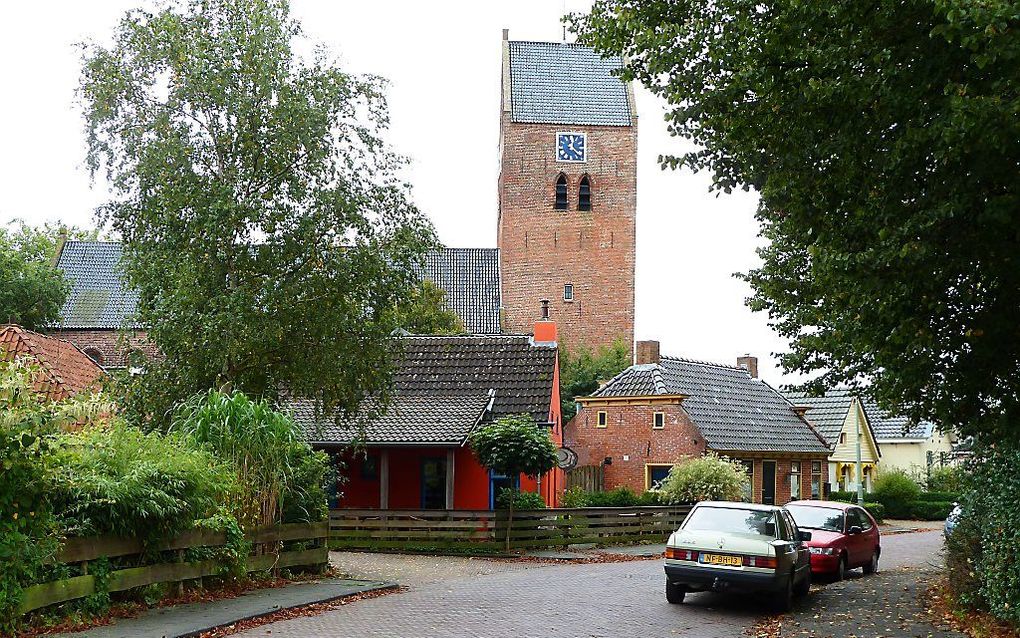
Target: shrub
896 491
963 556
930 510
843 497
522 500
706 478
877 511
618 497
944 479
939 496
574 497
648 499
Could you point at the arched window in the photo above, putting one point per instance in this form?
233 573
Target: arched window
561 192
94 354
584 194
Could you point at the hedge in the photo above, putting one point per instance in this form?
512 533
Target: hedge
843 497
939 496
877 511
931 510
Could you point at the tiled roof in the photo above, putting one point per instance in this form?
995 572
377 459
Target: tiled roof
66 369
442 384
829 411
560 83
100 300
733 411
470 278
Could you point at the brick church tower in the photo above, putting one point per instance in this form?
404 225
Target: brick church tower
567 192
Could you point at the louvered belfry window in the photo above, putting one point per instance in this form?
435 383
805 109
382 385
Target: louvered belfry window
561 192
584 194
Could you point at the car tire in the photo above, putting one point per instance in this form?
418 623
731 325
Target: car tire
841 569
804 586
675 593
782 601
872 566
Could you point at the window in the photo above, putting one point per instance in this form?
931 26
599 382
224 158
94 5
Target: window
658 421
584 194
561 192
794 480
655 475
816 479
842 438
747 488
602 419
811 517
568 292
94 354
861 518
732 519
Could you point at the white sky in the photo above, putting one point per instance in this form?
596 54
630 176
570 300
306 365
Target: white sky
443 62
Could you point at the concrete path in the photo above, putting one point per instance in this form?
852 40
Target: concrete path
193 619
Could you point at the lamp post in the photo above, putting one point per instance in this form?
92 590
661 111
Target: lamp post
860 472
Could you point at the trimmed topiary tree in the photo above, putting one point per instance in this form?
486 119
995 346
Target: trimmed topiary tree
511 446
706 478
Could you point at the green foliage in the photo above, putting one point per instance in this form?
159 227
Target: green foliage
264 223
843 497
877 511
944 479
939 496
963 560
706 478
574 497
883 140
521 500
896 491
514 445
582 371
277 473
32 289
119 480
618 497
424 312
930 510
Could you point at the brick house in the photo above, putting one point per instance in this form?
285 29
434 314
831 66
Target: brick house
662 409
415 454
64 370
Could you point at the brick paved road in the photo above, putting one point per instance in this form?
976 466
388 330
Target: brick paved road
582 601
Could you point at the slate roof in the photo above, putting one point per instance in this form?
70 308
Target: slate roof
99 299
829 411
65 370
443 386
733 411
561 83
470 278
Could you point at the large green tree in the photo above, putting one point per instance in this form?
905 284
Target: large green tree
884 142
582 370
264 223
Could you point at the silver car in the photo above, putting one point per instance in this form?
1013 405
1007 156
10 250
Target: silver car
739 547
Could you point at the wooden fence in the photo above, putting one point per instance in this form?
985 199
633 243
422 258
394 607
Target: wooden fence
485 530
266 542
586 477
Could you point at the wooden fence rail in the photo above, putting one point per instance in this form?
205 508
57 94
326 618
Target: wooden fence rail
485 530
266 543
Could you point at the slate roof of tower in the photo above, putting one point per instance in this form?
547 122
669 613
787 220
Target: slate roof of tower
733 411
561 83
99 299
64 369
443 384
829 411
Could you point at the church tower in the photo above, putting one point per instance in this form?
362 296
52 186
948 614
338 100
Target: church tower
567 192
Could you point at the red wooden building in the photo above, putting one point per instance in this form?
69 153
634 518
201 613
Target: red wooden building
415 455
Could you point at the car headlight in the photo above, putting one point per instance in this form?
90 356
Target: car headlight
824 551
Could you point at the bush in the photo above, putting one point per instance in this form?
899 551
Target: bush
896 491
844 497
944 479
930 510
574 497
619 497
877 511
522 500
649 499
939 496
707 478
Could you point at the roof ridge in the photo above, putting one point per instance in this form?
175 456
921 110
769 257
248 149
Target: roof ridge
569 44
704 363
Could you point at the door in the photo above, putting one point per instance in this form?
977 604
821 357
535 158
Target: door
433 483
768 482
859 546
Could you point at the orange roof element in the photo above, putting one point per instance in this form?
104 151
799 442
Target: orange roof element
65 370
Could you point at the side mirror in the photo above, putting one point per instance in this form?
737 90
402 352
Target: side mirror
856 529
803 536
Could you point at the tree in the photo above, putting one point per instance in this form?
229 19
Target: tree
511 446
883 141
705 478
425 312
582 371
32 288
264 225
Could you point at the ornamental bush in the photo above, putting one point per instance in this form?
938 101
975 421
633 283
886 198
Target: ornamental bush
618 497
522 500
896 491
877 511
930 510
707 478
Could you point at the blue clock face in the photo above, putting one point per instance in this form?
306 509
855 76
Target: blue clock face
570 147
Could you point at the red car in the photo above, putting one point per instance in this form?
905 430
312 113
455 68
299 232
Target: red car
843 536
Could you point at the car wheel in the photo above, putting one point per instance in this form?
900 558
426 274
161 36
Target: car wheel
675 593
841 569
872 566
804 586
783 600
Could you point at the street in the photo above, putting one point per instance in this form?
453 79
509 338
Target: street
475 597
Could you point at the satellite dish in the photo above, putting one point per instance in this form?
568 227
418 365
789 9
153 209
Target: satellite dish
566 458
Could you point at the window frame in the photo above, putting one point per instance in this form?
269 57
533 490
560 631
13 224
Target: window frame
584 184
601 419
561 187
661 418
648 474
568 287
796 478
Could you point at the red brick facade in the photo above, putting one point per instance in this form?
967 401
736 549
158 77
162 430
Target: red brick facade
542 249
109 348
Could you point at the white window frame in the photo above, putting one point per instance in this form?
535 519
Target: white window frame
657 416
568 287
796 478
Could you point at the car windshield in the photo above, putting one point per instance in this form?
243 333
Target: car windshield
809 517
732 519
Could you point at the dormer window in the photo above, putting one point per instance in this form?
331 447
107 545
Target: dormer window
561 192
584 194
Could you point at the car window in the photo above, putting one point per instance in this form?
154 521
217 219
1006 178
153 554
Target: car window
784 529
732 519
794 532
861 519
811 517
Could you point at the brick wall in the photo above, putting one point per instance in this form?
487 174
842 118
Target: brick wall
541 248
112 345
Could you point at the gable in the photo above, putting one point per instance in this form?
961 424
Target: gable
847 451
65 370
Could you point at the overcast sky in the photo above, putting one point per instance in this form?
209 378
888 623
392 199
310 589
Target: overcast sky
443 62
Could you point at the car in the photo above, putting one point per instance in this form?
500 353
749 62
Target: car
738 547
843 536
952 520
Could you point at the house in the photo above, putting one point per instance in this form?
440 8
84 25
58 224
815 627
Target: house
663 409
415 454
887 440
64 370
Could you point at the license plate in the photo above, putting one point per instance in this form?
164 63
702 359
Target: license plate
719 559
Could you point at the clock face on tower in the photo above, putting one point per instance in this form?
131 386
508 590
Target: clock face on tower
570 147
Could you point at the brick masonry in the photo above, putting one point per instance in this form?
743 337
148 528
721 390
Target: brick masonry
541 248
109 348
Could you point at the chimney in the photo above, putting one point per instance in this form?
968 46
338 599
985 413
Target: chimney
545 328
647 352
749 363
506 34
